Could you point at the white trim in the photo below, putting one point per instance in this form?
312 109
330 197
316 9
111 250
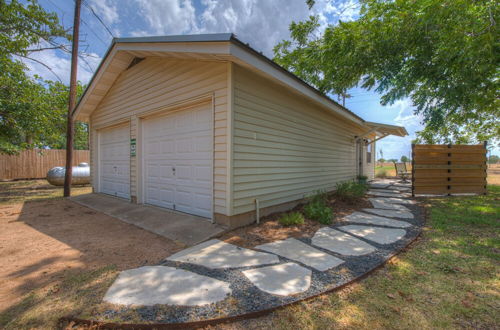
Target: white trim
229 140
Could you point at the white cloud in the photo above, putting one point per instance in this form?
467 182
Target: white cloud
168 17
107 9
261 23
60 64
394 146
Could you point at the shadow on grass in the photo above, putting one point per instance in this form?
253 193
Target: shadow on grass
78 291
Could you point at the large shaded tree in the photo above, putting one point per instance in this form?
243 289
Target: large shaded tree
32 111
442 54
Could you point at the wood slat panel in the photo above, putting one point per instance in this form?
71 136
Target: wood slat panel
453 147
429 173
454 190
443 157
449 169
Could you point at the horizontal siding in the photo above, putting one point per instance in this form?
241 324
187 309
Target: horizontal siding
285 148
157 83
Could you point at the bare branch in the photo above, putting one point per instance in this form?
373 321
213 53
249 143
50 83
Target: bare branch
41 63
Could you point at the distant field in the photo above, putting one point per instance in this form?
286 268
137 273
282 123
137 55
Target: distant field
494 174
388 168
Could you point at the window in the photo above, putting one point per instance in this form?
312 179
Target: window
368 152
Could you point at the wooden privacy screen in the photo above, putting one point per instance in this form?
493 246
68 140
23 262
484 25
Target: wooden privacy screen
34 164
448 169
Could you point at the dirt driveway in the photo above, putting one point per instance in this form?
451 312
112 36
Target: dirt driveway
58 257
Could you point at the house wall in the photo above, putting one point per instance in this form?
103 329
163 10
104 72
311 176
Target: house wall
160 83
285 147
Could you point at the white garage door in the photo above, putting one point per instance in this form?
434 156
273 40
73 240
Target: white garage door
114 160
178 161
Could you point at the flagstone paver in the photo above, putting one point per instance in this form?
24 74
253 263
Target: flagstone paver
382 203
184 280
379 185
284 279
401 188
296 250
386 194
396 200
376 234
218 254
151 285
391 213
341 243
370 219
386 190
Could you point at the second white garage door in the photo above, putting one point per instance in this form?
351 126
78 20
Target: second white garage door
177 161
114 161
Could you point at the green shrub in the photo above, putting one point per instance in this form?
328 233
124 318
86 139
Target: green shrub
290 219
350 190
320 196
362 179
381 173
318 210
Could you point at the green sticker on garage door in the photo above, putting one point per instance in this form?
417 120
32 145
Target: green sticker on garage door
132 147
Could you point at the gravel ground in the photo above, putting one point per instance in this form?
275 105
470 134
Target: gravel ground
246 298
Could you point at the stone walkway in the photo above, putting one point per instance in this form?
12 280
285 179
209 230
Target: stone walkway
198 280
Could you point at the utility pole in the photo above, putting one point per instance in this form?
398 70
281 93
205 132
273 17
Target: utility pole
72 100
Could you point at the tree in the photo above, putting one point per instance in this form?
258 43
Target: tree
381 160
29 115
442 54
493 159
404 159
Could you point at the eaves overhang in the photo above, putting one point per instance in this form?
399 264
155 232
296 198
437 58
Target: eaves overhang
222 46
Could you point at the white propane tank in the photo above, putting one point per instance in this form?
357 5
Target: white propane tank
81 175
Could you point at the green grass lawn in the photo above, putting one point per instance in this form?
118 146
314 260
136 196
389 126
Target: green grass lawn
449 278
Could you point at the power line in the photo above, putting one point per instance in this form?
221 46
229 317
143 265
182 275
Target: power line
98 18
84 22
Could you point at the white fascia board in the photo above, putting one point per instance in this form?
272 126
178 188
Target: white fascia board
180 47
95 80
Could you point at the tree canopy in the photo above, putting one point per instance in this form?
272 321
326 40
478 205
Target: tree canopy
442 54
32 111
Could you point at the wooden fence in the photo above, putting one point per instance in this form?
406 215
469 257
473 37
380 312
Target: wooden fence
448 169
34 164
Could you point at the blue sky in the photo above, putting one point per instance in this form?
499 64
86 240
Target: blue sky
261 23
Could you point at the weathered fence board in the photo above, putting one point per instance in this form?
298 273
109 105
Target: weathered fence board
34 164
448 169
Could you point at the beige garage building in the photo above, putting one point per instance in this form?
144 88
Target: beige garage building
205 125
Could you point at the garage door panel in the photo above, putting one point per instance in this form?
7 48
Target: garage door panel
114 165
182 141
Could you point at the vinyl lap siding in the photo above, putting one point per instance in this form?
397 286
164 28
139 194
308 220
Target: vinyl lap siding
284 147
157 82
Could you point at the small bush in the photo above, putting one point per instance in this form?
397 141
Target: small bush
381 173
318 210
320 196
362 179
350 190
291 219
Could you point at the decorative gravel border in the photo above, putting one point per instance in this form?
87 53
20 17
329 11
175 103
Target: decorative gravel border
248 301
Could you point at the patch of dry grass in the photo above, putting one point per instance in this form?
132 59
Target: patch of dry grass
29 190
76 295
